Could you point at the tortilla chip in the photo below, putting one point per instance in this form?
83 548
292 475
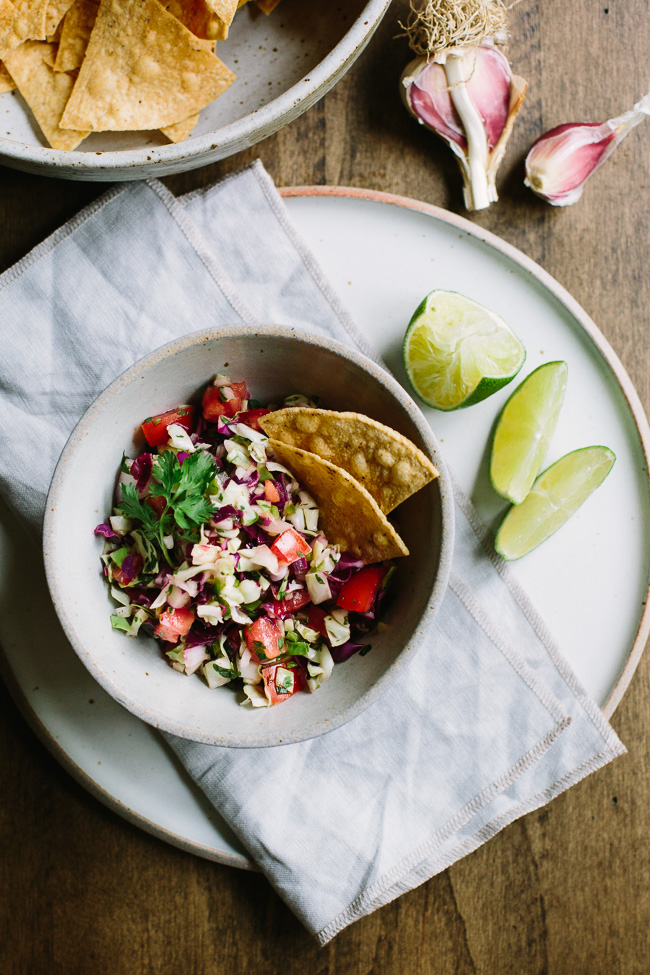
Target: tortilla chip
143 70
349 515
56 11
267 5
197 16
223 14
224 9
7 83
21 21
49 57
45 91
388 465
9 36
77 28
180 130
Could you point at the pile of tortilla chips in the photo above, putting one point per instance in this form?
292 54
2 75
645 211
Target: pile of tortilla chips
358 470
87 66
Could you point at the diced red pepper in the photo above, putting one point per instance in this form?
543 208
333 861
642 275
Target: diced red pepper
271 493
316 620
290 546
292 602
123 577
252 418
359 592
263 639
155 427
281 681
214 405
174 623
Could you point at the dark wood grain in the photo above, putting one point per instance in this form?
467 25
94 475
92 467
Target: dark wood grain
564 891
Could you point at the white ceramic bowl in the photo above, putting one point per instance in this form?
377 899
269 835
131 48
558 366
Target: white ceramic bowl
133 671
284 63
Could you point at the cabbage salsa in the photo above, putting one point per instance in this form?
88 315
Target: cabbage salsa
214 548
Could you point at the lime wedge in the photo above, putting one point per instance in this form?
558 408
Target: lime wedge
524 431
556 494
456 352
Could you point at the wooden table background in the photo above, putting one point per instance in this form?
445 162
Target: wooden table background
562 891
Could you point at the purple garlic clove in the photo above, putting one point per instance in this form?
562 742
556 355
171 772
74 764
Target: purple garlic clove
562 160
469 97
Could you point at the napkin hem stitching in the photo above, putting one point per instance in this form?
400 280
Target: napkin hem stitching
311 264
207 258
537 623
229 177
66 230
515 659
365 903
472 843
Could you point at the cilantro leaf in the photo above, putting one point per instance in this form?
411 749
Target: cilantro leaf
183 488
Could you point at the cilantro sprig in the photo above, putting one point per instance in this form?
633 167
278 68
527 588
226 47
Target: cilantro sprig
183 487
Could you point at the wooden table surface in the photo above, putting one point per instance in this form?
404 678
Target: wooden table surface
565 890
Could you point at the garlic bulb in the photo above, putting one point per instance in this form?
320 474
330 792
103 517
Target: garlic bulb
469 97
562 160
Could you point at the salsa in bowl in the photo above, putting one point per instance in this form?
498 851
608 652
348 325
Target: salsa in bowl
201 565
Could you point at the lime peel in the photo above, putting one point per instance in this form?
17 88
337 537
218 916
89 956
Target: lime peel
556 494
456 352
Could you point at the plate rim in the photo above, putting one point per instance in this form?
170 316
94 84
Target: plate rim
241 861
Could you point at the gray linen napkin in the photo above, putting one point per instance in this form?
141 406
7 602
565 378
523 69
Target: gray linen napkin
485 724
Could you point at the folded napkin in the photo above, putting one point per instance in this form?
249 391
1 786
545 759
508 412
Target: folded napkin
487 721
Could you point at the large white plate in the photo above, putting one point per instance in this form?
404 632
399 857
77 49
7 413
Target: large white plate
590 581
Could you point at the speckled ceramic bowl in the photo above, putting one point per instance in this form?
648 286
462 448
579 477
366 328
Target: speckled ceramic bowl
275 361
284 63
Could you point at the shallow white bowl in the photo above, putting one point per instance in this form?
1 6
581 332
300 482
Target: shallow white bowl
133 671
284 62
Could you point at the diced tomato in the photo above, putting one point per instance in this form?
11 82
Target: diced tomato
290 546
129 571
157 503
271 492
214 405
252 418
239 389
359 592
174 623
281 681
316 620
263 639
292 602
155 427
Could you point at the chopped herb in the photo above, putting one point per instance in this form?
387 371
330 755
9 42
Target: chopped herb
260 649
183 489
283 587
230 673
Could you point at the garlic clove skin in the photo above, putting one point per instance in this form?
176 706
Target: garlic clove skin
561 161
469 97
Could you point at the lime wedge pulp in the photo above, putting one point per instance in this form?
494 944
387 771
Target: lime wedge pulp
456 352
524 431
554 497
